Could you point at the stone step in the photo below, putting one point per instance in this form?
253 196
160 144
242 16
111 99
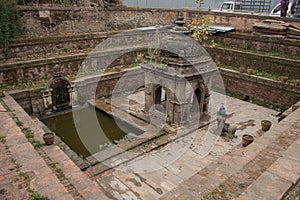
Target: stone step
278 178
240 171
60 169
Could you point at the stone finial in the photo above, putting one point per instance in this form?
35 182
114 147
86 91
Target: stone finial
179 28
57 72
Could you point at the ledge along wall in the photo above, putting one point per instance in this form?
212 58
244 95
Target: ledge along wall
49 45
273 65
259 43
42 68
35 70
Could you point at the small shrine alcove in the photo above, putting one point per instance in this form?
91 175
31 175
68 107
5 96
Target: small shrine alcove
58 92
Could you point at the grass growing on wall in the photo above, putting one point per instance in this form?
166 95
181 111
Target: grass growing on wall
10 23
260 73
259 51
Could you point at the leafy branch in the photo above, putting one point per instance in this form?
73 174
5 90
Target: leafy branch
199 27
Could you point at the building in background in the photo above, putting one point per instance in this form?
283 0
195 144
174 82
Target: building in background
191 4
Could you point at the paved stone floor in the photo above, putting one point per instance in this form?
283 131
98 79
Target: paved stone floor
184 168
153 175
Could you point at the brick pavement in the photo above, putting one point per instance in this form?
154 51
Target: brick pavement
53 174
11 179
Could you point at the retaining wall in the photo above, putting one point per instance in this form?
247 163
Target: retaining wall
60 20
259 43
271 64
44 68
267 90
31 100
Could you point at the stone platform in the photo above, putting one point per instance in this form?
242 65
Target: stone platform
178 169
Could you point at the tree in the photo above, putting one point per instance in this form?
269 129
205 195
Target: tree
10 23
199 27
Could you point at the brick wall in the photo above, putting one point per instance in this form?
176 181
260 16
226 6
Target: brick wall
31 100
264 89
259 43
272 65
82 20
50 45
267 90
35 70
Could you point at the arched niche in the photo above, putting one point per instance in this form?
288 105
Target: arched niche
58 93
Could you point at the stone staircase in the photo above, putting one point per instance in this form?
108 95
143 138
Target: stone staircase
266 169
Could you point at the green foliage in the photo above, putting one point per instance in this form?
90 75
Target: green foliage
36 196
26 177
3 139
28 132
18 122
37 144
59 171
9 23
199 27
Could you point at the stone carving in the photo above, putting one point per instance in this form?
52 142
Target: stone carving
59 93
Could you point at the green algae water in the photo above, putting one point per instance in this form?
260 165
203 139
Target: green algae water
90 138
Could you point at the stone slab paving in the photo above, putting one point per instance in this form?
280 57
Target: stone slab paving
56 176
251 168
172 171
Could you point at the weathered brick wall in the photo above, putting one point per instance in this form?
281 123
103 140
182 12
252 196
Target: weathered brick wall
62 44
50 45
264 89
31 100
36 70
259 43
272 65
267 90
39 69
43 68
81 20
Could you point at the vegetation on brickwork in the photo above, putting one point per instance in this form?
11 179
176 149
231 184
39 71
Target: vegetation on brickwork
37 143
260 51
16 119
255 101
37 196
28 132
10 23
257 72
3 139
26 178
199 26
